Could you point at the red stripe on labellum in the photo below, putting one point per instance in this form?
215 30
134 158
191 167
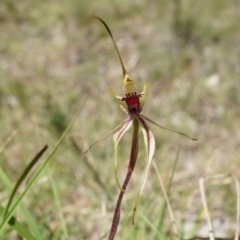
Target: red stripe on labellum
127 122
144 124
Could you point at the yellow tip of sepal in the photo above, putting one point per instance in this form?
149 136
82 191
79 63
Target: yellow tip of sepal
143 93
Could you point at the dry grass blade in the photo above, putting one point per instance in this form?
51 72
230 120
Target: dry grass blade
163 214
167 201
204 202
238 207
89 166
207 238
205 206
13 133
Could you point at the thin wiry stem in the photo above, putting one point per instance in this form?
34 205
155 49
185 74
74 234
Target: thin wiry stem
131 165
167 201
205 206
238 206
162 218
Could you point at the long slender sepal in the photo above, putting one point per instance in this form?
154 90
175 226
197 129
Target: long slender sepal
149 142
116 138
128 83
172 130
112 132
115 45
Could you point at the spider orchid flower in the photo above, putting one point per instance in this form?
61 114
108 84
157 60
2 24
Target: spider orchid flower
132 103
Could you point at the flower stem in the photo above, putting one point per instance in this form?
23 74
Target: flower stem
131 165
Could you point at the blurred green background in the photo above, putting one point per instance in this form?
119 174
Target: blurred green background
55 59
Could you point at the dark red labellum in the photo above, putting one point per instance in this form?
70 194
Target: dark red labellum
133 103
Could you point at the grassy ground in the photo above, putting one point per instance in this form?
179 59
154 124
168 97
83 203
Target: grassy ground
54 59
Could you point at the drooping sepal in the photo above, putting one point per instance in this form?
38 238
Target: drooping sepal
149 142
112 132
116 138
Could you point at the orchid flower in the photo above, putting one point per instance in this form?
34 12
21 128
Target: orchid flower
132 103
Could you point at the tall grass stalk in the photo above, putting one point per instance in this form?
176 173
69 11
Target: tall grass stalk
163 214
174 226
56 195
205 205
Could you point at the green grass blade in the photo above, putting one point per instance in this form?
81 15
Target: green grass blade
58 204
23 176
28 216
20 228
32 222
36 175
148 222
195 227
